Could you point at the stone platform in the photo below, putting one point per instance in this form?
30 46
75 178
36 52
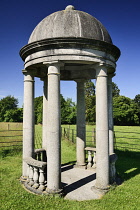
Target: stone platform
77 183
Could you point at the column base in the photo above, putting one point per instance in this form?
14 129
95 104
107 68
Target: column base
54 193
83 166
100 192
23 179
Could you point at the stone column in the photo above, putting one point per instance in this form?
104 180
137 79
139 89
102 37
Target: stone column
28 119
53 130
110 115
102 146
81 127
45 113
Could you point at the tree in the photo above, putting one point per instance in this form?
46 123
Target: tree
137 102
38 104
125 111
68 111
115 90
89 88
90 101
7 103
14 115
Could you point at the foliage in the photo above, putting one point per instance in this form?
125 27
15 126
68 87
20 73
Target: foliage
89 88
137 102
115 90
14 115
90 101
125 111
9 110
38 105
68 110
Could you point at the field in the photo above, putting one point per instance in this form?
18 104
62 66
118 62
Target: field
125 196
10 134
126 137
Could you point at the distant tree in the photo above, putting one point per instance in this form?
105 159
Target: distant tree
137 101
14 115
115 90
71 111
7 103
90 101
125 111
68 111
89 88
38 104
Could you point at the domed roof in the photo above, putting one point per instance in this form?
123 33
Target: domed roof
70 23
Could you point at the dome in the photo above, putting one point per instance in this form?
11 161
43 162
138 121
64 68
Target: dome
70 23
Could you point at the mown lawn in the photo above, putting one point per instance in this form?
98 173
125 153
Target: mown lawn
125 196
15 197
126 137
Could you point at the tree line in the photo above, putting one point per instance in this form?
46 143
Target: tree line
126 111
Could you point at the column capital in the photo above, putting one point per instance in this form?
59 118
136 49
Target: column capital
101 70
28 72
111 75
28 78
54 63
102 66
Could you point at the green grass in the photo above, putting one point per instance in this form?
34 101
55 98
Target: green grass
15 197
125 196
126 137
10 135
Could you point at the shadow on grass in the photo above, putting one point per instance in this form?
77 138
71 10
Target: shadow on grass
10 151
128 164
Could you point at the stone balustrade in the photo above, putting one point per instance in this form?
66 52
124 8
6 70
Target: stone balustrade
91 157
36 179
40 154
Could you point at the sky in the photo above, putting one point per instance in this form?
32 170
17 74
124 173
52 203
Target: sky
18 18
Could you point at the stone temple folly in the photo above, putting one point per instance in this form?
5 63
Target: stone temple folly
68 45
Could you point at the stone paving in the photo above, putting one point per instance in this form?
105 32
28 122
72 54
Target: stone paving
77 183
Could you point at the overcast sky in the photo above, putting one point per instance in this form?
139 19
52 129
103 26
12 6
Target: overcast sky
18 18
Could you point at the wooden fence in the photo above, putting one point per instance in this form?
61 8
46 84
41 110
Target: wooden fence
11 136
122 140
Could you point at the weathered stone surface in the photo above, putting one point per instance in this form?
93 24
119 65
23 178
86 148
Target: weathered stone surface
69 45
70 23
36 163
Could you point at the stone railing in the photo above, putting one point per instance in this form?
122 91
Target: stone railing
91 157
36 175
40 154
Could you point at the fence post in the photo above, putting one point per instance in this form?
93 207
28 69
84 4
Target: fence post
93 137
8 126
73 135
115 145
68 129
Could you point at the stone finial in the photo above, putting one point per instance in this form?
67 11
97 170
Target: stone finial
70 7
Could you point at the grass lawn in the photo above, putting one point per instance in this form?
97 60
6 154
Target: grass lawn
126 137
125 196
